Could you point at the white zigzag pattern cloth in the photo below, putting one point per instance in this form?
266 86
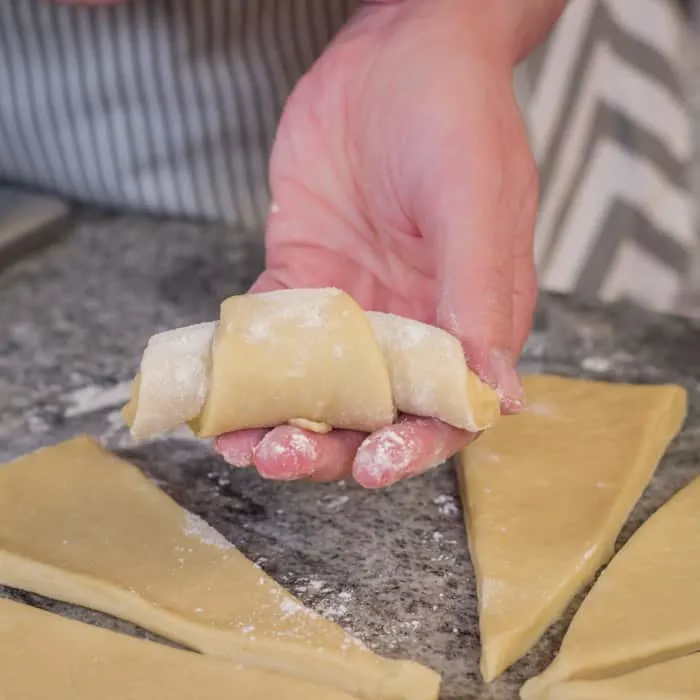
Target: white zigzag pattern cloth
611 133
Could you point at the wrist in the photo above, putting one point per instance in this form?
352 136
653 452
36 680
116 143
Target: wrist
512 28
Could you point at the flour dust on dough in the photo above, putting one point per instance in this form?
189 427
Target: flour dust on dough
44 656
78 524
309 357
545 494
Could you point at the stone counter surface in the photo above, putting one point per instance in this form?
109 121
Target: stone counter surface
392 565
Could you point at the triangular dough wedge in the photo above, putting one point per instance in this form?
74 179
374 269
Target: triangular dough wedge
644 608
678 679
46 656
80 525
546 493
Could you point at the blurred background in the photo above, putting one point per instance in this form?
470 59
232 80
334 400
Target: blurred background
612 102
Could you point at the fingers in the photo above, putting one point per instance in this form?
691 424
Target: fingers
407 448
287 453
238 448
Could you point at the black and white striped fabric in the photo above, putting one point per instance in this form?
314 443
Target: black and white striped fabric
166 106
170 107
611 132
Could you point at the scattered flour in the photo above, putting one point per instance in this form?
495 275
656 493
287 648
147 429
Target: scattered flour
446 505
590 552
408 333
488 456
336 503
595 363
291 607
392 453
94 399
37 425
333 611
302 307
296 447
90 399
199 529
300 442
490 589
539 409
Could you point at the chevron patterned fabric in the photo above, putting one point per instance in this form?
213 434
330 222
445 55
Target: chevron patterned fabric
612 136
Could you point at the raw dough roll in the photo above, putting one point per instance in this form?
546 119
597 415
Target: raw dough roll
310 357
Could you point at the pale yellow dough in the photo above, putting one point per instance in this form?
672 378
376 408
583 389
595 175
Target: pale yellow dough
644 608
546 493
43 656
80 525
309 357
678 679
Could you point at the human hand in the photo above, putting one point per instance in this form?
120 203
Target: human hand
401 173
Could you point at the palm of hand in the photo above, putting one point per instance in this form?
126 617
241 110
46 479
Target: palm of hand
402 175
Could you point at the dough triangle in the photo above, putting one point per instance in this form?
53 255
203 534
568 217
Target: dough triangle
80 525
46 656
644 608
678 679
546 493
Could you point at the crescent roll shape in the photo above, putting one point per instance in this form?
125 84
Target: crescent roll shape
309 357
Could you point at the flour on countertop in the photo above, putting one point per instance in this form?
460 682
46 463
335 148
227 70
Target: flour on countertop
199 529
446 505
595 363
90 399
335 503
96 398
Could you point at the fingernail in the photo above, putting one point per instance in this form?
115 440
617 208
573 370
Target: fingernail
507 381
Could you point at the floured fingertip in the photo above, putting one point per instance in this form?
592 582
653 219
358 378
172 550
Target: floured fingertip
286 453
237 449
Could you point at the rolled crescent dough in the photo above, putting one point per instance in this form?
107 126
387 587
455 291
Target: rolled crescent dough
80 525
546 493
311 357
46 656
644 608
678 679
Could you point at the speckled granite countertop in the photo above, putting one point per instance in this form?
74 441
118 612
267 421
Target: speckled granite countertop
392 565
